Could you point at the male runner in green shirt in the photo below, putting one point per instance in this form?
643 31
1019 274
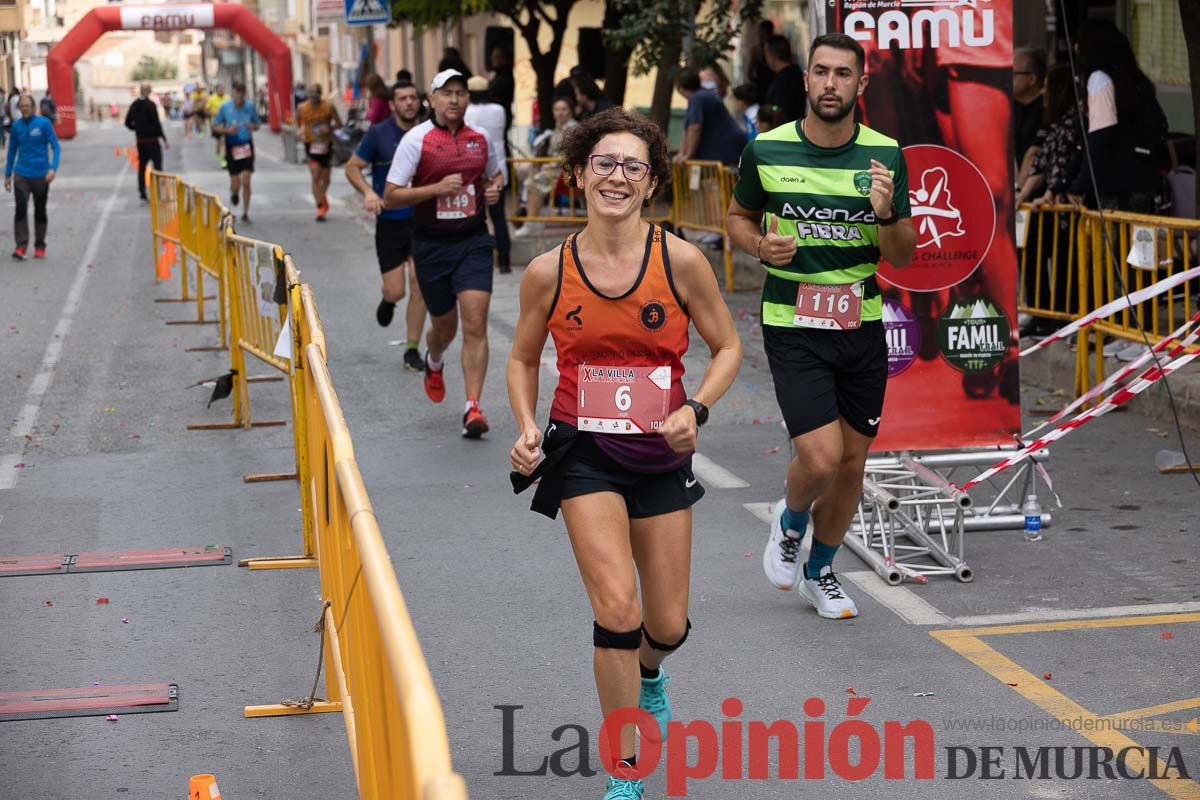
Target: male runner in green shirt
835 198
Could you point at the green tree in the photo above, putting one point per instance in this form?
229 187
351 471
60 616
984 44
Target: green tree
661 34
151 69
527 16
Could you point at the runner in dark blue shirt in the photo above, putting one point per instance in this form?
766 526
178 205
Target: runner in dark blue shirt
393 227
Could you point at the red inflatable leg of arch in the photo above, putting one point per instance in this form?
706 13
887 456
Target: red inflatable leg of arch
100 20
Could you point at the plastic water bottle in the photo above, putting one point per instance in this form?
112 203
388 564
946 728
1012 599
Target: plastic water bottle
1033 519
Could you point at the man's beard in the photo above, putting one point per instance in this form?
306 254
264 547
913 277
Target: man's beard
843 109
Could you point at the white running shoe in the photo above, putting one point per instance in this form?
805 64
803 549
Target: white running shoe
827 596
529 230
781 559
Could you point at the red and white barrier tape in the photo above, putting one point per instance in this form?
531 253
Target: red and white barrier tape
1177 346
1118 398
1120 304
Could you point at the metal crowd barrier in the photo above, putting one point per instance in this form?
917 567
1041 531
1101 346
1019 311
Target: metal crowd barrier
701 191
376 675
1081 274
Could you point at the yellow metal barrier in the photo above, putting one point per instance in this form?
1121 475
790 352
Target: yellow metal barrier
377 675
701 191
164 226
209 217
1144 250
252 271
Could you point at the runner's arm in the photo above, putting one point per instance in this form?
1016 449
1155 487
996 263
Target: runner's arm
354 168
698 290
691 142
525 360
889 190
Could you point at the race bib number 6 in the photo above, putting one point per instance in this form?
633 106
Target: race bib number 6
623 399
836 307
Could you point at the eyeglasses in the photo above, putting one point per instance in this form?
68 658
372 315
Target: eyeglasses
632 170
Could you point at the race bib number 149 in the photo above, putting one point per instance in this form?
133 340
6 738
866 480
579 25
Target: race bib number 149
623 399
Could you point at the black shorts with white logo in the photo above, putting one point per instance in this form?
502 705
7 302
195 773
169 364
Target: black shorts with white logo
821 375
588 470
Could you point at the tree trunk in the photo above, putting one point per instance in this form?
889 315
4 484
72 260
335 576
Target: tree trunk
616 62
544 64
664 86
1189 15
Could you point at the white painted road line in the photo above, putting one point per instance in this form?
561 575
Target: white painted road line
901 601
1060 614
41 382
714 474
760 510
8 471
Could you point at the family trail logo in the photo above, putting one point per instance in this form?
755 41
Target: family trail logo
973 334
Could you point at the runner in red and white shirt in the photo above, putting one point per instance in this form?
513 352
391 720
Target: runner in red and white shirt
449 172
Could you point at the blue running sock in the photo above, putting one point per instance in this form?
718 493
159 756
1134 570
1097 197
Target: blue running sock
819 556
795 521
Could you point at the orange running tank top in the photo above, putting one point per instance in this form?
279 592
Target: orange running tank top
647 326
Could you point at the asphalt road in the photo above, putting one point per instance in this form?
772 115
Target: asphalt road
95 402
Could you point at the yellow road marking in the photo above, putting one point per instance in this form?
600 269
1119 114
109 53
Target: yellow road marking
1159 710
967 644
1079 624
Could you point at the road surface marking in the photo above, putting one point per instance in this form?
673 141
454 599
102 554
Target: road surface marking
903 602
714 474
1064 614
8 470
41 382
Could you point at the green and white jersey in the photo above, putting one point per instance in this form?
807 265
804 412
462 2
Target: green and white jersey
822 198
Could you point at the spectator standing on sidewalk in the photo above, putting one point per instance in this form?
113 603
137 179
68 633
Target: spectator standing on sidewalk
503 89
710 132
29 139
142 119
1126 126
484 114
1029 80
378 107
787 87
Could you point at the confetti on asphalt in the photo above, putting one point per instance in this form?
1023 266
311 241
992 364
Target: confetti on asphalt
850 690
748 555
770 450
1012 684
1046 675
95 683
922 694
47 603
19 466
111 718
101 601
110 409
133 436
125 620
1167 635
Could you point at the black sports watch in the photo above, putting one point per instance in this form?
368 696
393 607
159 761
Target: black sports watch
700 409
883 222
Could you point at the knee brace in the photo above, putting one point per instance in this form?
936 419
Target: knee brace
666 648
603 637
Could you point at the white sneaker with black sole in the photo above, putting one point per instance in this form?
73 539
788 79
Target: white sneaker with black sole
827 596
781 559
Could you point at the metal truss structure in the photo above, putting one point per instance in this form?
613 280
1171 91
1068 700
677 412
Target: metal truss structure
912 519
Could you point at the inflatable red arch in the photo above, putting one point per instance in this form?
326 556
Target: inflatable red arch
103 19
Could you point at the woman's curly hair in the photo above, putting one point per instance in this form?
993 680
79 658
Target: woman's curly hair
579 141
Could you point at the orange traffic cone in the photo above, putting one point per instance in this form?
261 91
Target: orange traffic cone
203 787
166 261
117 152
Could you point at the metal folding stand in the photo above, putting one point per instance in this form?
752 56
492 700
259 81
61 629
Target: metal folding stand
912 519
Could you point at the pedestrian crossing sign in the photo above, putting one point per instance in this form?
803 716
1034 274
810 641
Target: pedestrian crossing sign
367 12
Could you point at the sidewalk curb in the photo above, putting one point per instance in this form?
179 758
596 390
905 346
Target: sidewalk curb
1053 367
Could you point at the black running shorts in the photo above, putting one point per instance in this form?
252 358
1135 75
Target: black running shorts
446 267
322 159
588 470
393 242
237 166
822 375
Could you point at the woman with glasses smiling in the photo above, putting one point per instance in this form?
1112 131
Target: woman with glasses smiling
618 298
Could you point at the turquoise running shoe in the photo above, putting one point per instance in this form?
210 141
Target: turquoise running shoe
627 788
654 701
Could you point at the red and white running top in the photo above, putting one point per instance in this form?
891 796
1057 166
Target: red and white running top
430 152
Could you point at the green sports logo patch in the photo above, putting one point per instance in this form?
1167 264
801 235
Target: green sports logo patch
862 182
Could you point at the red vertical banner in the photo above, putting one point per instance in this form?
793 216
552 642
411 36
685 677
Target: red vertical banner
941 84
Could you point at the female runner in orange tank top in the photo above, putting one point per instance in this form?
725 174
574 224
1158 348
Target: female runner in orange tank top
618 299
